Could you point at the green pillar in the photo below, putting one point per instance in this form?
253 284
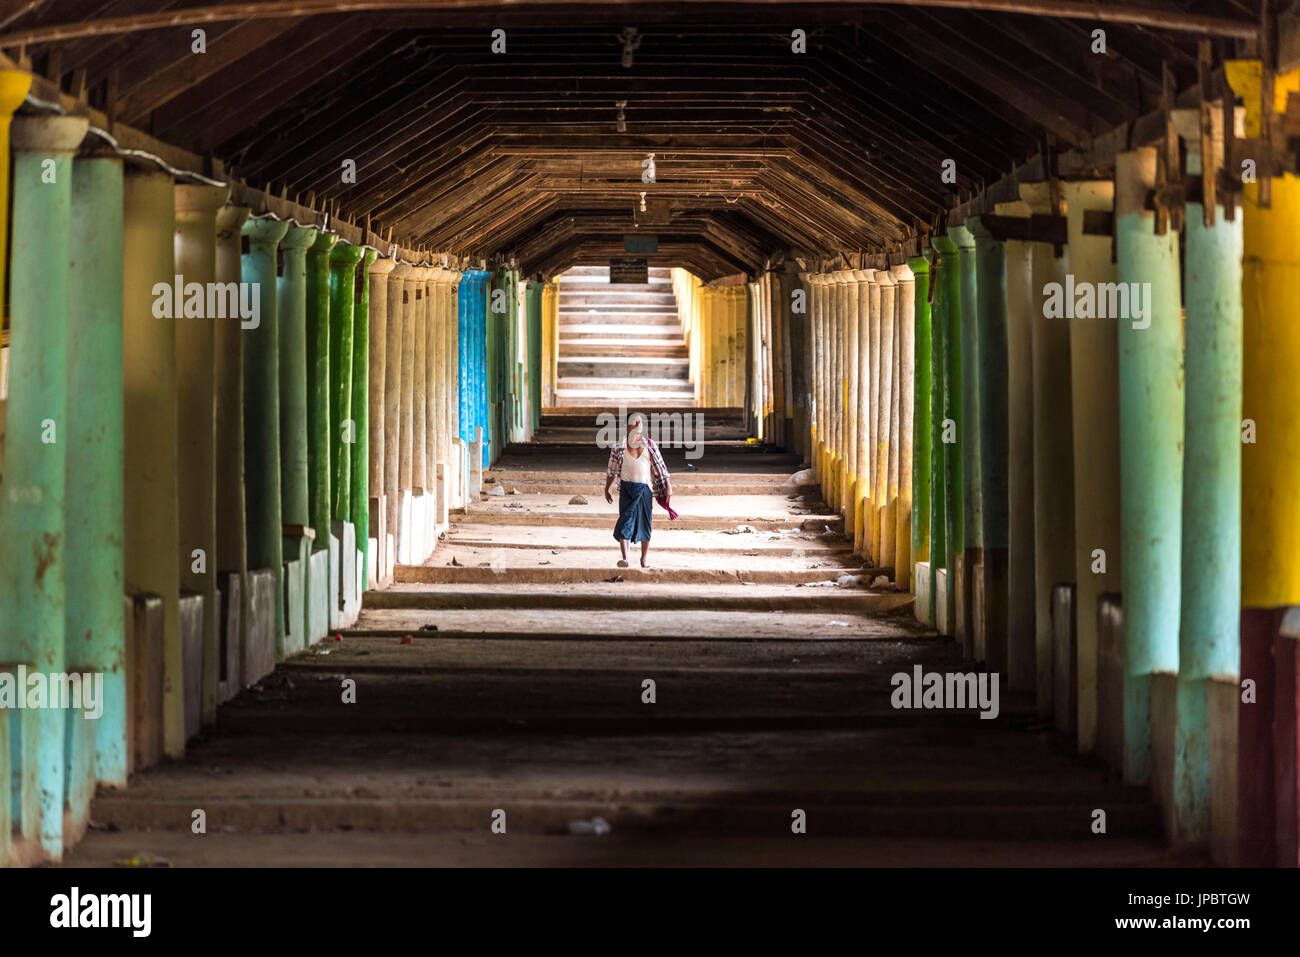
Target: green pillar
95 458
990 359
359 496
1211 547
318 386
1151 451
922 476
343 274
262 414
37 433
950 425
970 493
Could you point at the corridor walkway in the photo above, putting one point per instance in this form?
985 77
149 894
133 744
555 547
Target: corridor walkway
772 693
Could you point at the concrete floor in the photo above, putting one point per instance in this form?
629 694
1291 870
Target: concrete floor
771 696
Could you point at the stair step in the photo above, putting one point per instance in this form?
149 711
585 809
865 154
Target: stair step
569 329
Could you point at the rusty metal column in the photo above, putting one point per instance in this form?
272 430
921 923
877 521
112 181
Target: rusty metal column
377 430
196 263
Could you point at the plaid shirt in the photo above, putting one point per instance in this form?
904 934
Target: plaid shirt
660 485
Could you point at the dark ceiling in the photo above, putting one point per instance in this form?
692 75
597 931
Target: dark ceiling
757 149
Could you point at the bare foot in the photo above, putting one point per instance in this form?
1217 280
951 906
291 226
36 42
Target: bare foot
622 563
644 563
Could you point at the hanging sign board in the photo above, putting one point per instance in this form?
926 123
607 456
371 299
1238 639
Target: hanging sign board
628 270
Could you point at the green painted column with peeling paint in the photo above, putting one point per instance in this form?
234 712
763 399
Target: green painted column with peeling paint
33 541
359 495
262 414
1151 451
1208 642
921 425
343 274
95 624
318 386
991 362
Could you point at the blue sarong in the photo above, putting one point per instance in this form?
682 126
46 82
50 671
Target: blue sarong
635 503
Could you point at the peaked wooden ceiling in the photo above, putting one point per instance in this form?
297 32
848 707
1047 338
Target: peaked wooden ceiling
757 149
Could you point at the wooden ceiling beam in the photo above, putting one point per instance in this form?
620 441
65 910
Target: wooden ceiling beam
1125 13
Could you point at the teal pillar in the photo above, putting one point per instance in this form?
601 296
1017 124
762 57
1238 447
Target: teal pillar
33 530
343 274
1151 450
359 495
318 386
262 414
922 436
1208 642
991 361
95 585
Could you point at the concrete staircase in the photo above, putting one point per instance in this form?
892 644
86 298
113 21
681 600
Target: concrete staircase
620 344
